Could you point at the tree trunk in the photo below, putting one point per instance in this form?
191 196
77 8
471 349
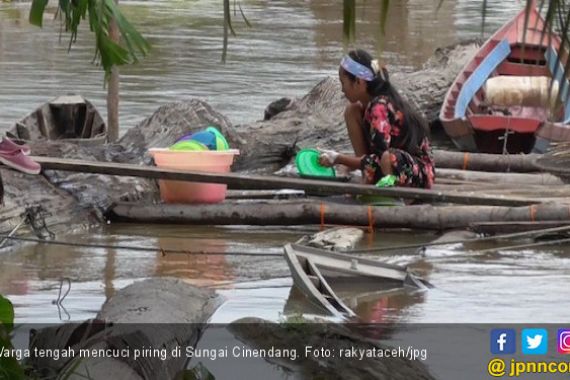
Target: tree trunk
499 178
316 212
113 91
486 162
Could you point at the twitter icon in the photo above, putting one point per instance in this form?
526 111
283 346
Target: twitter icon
534 341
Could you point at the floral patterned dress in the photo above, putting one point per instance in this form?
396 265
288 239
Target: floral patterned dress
383 125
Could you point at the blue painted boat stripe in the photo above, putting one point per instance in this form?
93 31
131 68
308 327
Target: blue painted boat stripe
480 75
557 71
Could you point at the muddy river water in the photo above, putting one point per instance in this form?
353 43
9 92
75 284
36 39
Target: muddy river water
292 46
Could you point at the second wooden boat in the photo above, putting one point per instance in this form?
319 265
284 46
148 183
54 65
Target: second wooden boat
69 118
512 96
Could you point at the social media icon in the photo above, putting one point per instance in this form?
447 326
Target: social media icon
534 341
503 341
563 341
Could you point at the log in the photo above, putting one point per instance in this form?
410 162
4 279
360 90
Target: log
315 212
520 163
147 315
513 178
250 182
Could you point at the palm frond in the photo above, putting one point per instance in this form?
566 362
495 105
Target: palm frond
100 14
384 7
349 21
483 16
228 27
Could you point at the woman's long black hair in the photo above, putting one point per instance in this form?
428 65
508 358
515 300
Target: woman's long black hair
415 125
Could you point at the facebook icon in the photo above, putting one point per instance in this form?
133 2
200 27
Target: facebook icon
503 341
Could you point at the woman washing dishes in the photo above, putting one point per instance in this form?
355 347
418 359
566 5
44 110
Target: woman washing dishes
389 138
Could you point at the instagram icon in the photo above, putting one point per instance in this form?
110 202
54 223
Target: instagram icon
564 341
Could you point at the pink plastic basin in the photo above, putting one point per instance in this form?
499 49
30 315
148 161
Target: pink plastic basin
200 161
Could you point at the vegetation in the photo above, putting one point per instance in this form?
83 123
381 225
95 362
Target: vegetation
10 368
100 14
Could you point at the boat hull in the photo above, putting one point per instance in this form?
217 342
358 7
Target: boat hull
69 118
475 124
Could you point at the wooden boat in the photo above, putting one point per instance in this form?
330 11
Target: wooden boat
69 118
311 267
520 123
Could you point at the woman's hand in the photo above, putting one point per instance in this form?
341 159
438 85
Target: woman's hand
327 157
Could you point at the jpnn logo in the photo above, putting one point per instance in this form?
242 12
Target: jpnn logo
534 341
563 341
503 341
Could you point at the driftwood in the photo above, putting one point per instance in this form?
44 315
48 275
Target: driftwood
312 212
486 162
145 315
496 178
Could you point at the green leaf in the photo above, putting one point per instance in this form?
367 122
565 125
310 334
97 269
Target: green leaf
384 16
101 14
483 17
136 44
198 372
6 313
348 20
247 23
37 12
10 368
440 4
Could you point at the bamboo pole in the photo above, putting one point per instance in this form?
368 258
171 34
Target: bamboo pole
325 213
251 182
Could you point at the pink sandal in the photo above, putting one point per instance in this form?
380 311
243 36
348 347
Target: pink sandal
7 146
14 156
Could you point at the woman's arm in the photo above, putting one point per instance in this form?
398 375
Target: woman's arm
352 162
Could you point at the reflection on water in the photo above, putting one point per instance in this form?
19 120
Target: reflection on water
204 270
513 286
292 46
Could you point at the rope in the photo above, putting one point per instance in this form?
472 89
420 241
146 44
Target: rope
531 245
532 209
488 238
465 161
164 252
370 220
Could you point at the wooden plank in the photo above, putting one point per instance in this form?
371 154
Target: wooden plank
519 69
252 182
529 54
480 75
265 194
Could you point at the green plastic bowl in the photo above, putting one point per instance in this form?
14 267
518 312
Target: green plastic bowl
307 162
221 142
189 145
